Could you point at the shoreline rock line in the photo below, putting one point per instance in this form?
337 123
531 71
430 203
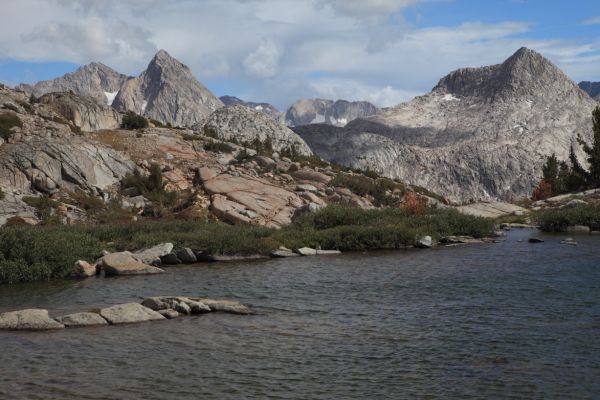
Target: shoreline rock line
151 309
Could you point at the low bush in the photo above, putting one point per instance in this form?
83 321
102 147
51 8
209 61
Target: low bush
38 253
558 219
132 120
45 209
152 186
363 185
218 147
7 122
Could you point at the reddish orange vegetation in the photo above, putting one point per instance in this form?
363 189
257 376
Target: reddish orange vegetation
542 191
413 204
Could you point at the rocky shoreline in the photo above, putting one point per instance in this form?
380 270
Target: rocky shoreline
151 309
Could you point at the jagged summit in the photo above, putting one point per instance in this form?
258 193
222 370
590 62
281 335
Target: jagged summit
322 111
264 108
526 72
168 92
95 80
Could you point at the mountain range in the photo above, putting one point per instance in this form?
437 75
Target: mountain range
481 133
591 88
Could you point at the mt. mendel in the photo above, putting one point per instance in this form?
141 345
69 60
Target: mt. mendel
481 133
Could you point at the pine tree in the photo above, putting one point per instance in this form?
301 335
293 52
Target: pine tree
593 152
550 170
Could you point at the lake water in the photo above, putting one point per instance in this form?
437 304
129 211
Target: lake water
506 320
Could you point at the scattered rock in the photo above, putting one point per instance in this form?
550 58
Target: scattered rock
306 251
311 176
228 306
169 313
426 242
170 259
29 319
123 263
265 162
575 203
186 256
151 255
328 252
182 308
129 313
81 319
460 240
578 229
305 187
83 269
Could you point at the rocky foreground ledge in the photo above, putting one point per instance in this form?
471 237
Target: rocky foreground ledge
151 309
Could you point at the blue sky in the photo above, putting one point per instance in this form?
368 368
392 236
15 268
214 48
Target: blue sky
383 51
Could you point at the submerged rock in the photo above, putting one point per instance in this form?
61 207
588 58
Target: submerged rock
227 306
535 240
82 319
29 319
129 313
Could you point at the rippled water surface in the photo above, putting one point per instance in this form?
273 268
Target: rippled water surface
505 320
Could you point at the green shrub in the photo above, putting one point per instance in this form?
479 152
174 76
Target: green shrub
132 120
558 219
217 147
45 207
8 121
363 186
151 186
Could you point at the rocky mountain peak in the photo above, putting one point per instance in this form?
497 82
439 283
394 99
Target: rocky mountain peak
524 73
95 80
168 92
322 111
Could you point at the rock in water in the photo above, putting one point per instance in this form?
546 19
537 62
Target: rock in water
425 242
535 240
246 125
95 80
124 264
319 111
30 320
83 269
129 313
153 254
227 306
82 319
168 92
481 133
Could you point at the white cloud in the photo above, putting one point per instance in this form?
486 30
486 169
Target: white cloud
272 50
591 21
264 61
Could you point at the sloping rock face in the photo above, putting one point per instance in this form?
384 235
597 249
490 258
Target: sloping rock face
482 133
83 111
46 157
319 111
95 80
238 199
245 125
264 108
124 263
168 92
591 88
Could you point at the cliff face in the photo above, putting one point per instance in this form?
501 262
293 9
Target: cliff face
246 125
84 112
264 108
94 80
480 133
319 111
168 92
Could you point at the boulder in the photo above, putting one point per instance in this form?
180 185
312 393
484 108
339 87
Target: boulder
83 269
186 256
206 174
328 252
81 319
310 176
227 306
226 258
129 313
29 319
306 251
425 242
265 162
535 240
123 263
156 303
282 252
170 259
169 313
305 187
575 203
182 308
198 307
152 255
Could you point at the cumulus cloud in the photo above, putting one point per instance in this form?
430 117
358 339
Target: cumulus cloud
264 61
592 21
277 50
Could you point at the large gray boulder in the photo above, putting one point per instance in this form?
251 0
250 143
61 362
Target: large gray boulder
129 313
152 255
81 319
84 112
123 263
30 319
